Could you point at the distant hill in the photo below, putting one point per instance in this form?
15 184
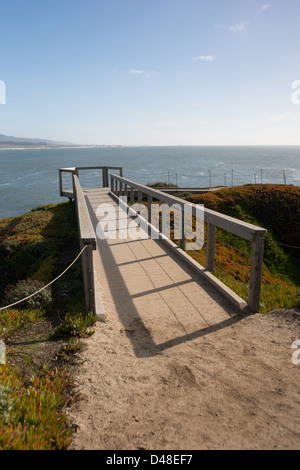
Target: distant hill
11 141
7 142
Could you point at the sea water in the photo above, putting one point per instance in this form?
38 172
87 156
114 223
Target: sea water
29 177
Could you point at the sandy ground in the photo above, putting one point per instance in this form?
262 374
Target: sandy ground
176 366
230 387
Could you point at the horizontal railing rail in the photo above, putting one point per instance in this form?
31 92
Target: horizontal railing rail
124 187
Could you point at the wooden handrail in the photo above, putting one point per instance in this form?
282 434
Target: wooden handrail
87 238
214 219
235 226
86 230
75 170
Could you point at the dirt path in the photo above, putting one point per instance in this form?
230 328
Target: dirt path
232 388
176 366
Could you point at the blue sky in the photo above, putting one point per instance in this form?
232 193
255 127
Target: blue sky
151 72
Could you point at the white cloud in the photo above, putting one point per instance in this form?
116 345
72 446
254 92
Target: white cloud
135 71
237 27
265 7
204 58
145 74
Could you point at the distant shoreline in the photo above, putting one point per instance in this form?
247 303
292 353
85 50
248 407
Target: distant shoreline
36 147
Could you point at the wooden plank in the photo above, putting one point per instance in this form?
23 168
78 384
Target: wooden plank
69 194
97 168
219 285
71 169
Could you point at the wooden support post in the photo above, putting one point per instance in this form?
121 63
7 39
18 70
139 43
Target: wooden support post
131 195
150 200
112 184
88 277
126 192
182 242
211 243
105 177
140 197
256 272
60 183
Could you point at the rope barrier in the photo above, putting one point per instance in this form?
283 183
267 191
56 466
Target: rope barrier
283 244
45 287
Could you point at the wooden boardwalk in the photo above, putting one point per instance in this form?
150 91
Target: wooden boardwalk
176 366
178 363
143 280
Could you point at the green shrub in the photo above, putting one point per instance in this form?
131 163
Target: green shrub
76 325
8 247
30 417
22 289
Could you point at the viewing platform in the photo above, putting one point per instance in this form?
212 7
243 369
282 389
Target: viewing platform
133 277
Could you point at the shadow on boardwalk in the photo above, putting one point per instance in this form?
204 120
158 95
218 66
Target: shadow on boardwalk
125 295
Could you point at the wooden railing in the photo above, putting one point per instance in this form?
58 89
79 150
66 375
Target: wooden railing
123 187
75 170
87 239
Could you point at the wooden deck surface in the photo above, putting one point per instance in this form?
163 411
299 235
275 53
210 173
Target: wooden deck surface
144 281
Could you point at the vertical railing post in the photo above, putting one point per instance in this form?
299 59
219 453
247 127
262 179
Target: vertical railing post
182 242
150 200
105 177
88 277
60 183
211 244
131 195
112 184
140 197
256 272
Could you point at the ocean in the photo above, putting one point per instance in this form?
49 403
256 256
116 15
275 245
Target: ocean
29 177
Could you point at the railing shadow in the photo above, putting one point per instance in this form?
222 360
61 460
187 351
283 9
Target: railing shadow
134 326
